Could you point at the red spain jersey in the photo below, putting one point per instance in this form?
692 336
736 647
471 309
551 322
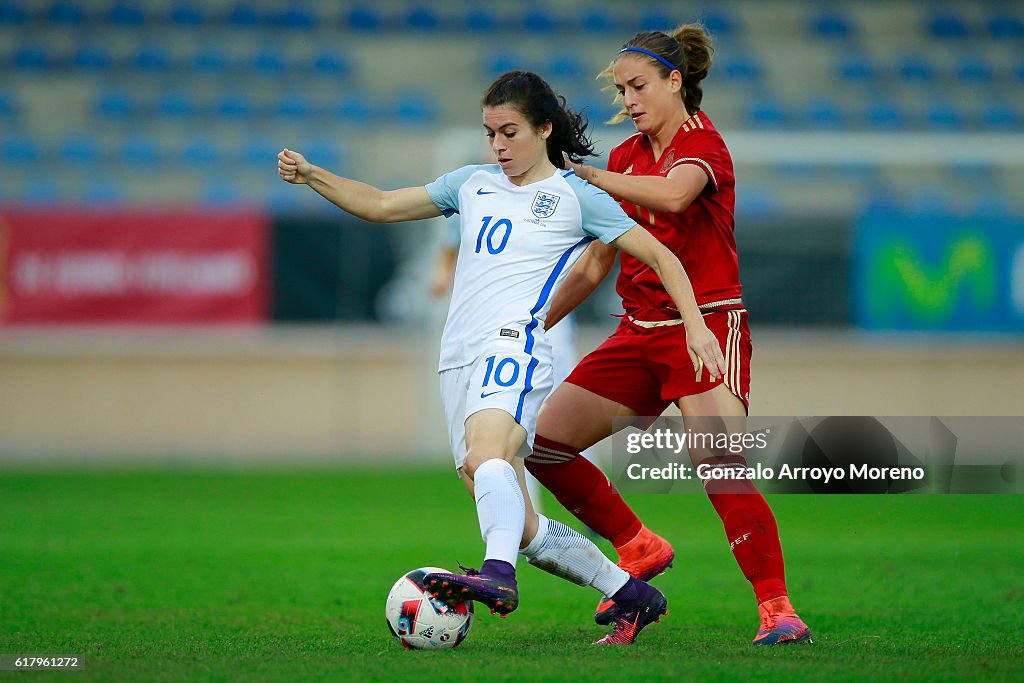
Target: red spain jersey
701 236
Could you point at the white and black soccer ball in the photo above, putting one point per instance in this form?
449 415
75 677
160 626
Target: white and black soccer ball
422 622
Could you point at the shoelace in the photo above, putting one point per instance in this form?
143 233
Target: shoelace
468 571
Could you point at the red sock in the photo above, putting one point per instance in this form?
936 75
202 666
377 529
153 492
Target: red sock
753 535
584 490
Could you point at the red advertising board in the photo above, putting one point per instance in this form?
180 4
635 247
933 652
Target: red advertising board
132 267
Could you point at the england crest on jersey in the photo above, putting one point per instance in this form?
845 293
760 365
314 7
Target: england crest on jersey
544 204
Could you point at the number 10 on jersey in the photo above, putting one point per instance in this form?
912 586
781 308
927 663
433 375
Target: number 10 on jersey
491 232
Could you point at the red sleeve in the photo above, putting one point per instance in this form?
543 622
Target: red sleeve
708 152
615 159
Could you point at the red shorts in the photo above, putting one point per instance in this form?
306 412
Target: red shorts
646 369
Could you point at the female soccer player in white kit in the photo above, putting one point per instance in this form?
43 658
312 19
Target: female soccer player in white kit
525 221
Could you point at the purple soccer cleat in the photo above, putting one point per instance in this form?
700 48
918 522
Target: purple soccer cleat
499 593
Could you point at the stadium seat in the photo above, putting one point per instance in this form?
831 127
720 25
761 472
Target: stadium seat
221 194
66 14
268 62
294 106
885 114
974 69
597 20
765 113
19 148
235 106
101 192
175 105
43 192
1001 116
79 149
1006 26
481 20
499 62
566 65
258 152
944 115
947 26
201 151
657 21
823 113
831 24
32 58
354 110
187 14
331 64
916 68
140 151
91 58
740 67
8 107
364 19
298 18
116 105
540 21
717 22
244 16
12 14
210 59
325 154
152 59
126 14
856 68
413 109
422 18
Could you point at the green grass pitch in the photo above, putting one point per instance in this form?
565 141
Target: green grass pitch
270 575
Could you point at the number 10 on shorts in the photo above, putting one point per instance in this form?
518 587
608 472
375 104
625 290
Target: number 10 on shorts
500 371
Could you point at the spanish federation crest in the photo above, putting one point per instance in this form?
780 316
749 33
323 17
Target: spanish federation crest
544 204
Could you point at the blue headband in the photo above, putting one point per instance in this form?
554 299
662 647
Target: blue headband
670 65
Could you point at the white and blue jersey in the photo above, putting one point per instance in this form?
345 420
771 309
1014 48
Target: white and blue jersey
518 244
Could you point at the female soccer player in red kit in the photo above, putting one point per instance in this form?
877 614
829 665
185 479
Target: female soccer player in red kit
675 178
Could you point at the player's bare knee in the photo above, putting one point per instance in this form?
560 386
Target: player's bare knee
474 459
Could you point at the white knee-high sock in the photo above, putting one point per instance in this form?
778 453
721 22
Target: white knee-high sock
559 550
500 508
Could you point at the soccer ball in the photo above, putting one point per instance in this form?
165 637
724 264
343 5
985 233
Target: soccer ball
422 622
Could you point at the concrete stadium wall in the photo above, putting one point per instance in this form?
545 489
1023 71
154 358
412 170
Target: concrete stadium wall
286 395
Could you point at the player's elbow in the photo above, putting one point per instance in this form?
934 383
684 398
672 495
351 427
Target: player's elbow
678 202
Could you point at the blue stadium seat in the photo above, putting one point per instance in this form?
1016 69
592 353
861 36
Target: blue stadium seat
947 26
498 63
294 106
116 105
140 151
1000 116
19 148
1018 70
765 113
79 149
32 58
325 155
566 65
12 14
101 192
91 58
259 152
201 151
210 59
175 105
481 20
187 14
269 61
916 68
66 13
422 18
823 113
126 14
8 106
740 67
244 16
221 194
1006 26
944 115
831 24
331 63
235 106
657 21
298 18
856 68
152 59
540 21
414 109
43 192
597 20
975 69
364 19
717 22
885 114
354 110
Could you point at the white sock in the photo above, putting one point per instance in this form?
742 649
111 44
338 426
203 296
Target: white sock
566 553
500 508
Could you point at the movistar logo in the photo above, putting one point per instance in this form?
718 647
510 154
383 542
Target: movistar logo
931 291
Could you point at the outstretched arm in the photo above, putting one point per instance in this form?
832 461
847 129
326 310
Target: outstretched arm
582 280
671 194
701 343
359 199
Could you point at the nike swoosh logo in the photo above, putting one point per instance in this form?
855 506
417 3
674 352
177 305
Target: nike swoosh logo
481 191
490 393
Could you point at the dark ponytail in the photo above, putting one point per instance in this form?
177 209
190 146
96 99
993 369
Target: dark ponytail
530 95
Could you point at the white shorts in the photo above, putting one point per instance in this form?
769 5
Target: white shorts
504 377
